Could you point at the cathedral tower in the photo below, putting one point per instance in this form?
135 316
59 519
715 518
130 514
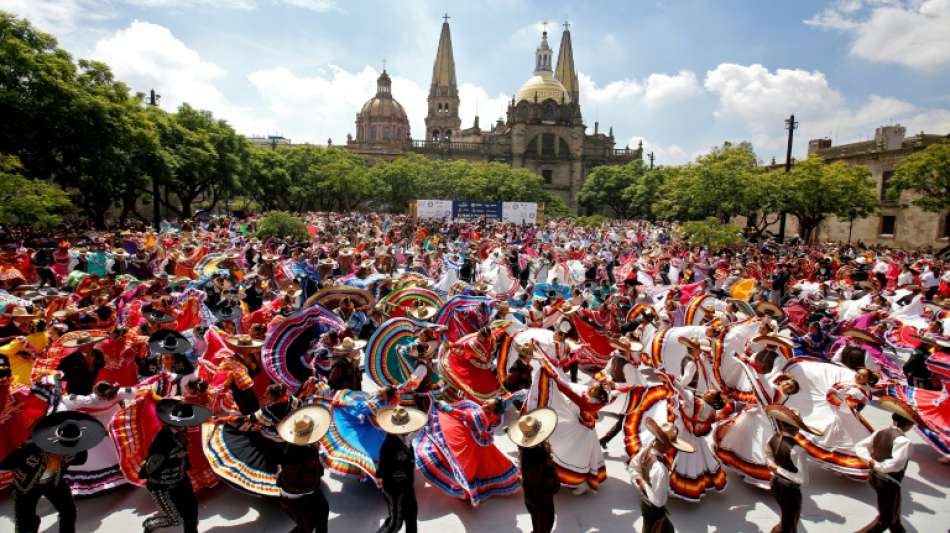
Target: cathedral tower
442 121
565 72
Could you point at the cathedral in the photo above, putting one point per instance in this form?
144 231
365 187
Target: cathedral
543 130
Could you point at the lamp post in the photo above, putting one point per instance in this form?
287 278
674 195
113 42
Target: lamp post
790 125
153 99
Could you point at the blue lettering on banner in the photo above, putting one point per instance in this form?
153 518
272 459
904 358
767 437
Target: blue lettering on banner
467 209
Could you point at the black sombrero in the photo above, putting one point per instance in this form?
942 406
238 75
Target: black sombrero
158 317
168 341
173 412
67 433
227 311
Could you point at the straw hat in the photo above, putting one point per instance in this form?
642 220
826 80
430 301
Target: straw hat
422 312
900 408
667 433
177 413
20 312
933 341
399 420
82 339
327 262
67 433
567 308
305 425
694 344
243 342
774 341
769 309
861 335
349 346
791 417
625 344
533 428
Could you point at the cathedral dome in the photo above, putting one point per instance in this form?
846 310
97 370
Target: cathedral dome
382 119
543 85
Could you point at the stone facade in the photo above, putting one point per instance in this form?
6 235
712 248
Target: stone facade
904 227
543 130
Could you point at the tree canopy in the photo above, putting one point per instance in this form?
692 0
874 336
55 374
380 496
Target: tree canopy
926 173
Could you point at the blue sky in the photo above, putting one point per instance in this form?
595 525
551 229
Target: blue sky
681 75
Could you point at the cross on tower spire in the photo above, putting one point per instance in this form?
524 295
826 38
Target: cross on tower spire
567 25
384 64
446 17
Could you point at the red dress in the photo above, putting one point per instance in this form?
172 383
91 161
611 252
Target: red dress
466 366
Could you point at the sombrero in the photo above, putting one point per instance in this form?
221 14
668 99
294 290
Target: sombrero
774 341
227 311
533 428
933 341
82 339
667 433
862 336
175 412
422 312
67 433
790 417
568 308
168 341
20 312
305 425
157 316
696 345
349 346
901 408
243 342
625 344
765 308
743 306
399 420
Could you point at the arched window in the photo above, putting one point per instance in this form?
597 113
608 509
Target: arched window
372 133
435 135
447 135
386 133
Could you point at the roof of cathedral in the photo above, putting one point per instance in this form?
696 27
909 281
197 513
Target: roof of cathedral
543 85
383 105
443 71
564 72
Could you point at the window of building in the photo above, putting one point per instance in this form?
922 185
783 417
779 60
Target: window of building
945 230
547 144
885 179
548 175
447 135
399 133
888 224
372 133
435 135
386 132
562 149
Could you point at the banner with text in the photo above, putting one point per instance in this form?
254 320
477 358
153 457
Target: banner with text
516 212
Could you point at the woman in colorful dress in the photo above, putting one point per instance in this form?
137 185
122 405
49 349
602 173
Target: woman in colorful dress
455 451
467 366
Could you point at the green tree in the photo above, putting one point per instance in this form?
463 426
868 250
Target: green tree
643 195
28 202
926 173
607 185
715 185
711 233
282 225
813 191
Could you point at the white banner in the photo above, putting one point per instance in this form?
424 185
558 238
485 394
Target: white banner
434 209
519 212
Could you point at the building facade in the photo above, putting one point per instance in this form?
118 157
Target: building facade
894 225
543 130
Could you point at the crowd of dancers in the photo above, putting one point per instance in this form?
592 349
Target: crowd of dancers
196 355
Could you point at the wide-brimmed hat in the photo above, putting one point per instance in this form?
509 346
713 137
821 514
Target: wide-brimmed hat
533 428
625 344
327 262
158 316
243 342
227 311
481 286
422 312
933 341
269 258
567 308
695 344
82 339
67 433
861 335
349 345
667 433
791 417
901 408
168 341
774 341
305 425
769 309
175 412
21 313
400 420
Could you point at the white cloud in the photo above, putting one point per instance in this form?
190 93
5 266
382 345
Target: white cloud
668 154
319 6
758 101
472 98
913 33
612 93
58 16
146 55
662 89
229 4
